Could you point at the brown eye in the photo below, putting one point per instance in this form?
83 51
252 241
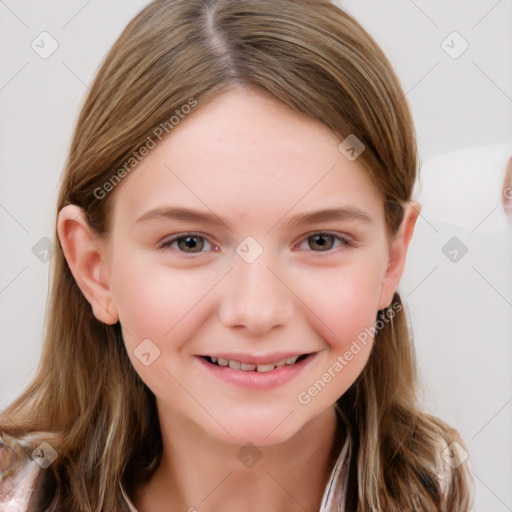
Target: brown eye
191 243
321 242
188 243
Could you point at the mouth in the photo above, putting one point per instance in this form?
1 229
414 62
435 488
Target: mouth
257 372
246 366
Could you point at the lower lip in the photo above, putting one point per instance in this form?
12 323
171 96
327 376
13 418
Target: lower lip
255 379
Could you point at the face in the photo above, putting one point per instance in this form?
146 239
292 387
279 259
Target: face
247 239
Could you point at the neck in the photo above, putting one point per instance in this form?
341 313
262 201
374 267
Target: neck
198 472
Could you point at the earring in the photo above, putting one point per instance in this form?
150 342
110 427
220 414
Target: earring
390 313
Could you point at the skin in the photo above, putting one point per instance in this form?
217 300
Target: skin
256 165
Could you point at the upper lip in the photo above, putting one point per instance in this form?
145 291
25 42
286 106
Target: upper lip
255 359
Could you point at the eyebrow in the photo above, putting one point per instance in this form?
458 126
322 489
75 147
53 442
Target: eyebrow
177 213
331 214
314 217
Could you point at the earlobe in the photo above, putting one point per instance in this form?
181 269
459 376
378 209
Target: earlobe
84 251
398 254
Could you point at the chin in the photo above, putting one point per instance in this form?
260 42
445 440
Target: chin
257 429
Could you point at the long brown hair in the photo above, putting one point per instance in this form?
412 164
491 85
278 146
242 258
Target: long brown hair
87 400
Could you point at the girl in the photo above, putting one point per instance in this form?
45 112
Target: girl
224 329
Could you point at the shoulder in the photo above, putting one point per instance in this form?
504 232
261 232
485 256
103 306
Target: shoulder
18 474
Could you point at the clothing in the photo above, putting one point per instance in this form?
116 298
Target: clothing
17 484
17 476
16 488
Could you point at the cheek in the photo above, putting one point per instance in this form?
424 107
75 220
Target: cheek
158 302
342 306
341 302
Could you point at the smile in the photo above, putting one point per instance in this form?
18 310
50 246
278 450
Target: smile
255 372
255 367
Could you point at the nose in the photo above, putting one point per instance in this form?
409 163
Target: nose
255 298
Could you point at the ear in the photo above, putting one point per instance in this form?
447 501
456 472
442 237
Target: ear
84 250
398 253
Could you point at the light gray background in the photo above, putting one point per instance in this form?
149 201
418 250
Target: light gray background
460 311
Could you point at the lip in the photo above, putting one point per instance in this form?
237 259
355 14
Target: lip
257 380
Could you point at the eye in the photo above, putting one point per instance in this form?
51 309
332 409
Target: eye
323 242
189 243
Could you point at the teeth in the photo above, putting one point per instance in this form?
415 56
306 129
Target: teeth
265 367
247 367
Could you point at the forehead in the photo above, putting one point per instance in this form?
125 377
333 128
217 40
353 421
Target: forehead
244 154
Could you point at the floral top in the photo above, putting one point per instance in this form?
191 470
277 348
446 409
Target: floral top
18 473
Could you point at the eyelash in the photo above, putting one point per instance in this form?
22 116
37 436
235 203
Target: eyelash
344 241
